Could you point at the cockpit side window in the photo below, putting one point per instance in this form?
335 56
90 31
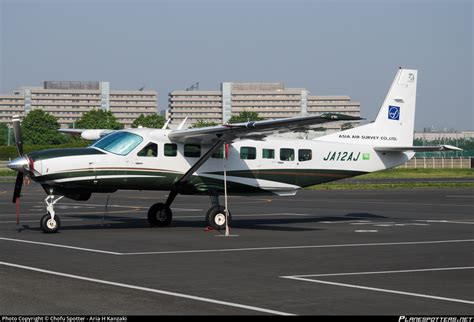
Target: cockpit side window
150 150
121 143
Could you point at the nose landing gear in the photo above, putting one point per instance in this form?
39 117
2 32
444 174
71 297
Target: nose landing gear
50 223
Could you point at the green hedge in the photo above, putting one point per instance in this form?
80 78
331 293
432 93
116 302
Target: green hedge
9 152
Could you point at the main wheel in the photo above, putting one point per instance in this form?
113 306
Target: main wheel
49 225
215 217
159 215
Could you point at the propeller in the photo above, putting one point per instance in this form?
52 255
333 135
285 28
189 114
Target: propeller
16 195
18 186
17 134
18 162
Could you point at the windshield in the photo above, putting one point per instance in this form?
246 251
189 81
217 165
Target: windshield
120 143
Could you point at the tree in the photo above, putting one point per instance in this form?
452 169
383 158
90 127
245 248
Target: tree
98 119
41 128
202 123
153 121
4 134
245 116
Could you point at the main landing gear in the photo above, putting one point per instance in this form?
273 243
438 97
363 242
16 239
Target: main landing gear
160 214
215 216
50 222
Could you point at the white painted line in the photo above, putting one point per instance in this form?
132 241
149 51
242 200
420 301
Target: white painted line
387 291
25 221
224 250
346 202
366 231
448 222
122 206
387 272
151 290
60 246
381 289
297 247
133 211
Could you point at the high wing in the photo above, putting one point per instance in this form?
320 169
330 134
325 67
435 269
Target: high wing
417 148
255 130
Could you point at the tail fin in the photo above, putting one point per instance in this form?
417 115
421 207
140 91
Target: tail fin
394 125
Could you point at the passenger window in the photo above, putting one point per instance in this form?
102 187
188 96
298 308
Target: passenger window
219 153
248 153
150 150
287 154
305 155
192 150
171 150
268 153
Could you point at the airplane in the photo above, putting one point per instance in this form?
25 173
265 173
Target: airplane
245 158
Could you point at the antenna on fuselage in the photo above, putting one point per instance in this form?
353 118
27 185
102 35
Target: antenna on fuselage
166 124
180 127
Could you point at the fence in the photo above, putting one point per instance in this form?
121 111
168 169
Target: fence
3 165
439 163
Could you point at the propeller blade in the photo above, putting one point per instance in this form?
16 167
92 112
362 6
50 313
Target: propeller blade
18 211
17 134
18 185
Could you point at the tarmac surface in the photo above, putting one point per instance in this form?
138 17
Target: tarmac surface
395 252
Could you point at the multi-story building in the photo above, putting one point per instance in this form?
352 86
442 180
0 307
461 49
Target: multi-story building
69 100
269 100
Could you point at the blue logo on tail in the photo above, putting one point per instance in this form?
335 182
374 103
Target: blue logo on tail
393 112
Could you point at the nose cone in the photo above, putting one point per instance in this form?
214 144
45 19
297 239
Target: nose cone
19 164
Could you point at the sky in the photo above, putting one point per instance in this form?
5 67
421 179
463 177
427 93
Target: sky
337 47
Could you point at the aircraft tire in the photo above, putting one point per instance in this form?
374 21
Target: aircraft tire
48 225
159 215
215 217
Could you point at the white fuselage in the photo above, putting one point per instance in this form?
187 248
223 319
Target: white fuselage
278 172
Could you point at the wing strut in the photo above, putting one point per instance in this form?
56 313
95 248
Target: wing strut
177 185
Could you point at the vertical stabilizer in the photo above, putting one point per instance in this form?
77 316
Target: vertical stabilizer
394 125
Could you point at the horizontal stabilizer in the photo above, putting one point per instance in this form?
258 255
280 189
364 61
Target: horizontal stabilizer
417 148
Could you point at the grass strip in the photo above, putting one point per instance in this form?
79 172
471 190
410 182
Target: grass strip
419 174
403 185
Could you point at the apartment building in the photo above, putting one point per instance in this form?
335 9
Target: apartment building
269 100
69 100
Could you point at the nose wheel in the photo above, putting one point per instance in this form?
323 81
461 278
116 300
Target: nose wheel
50 222
50 225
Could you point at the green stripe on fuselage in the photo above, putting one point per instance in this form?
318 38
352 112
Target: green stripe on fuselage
57 153
157 180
